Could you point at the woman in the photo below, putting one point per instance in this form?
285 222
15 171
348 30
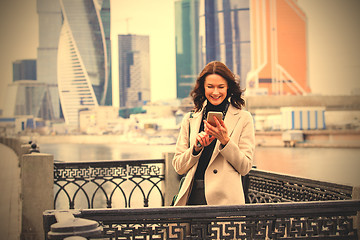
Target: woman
214 157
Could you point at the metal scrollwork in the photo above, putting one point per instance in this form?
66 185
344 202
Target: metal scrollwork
108 184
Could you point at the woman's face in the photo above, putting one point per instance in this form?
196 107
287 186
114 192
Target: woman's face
215 88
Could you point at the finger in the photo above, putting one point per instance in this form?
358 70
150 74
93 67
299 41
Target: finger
208 126
218 124
208 140
212 138
198 139
210 133
222 123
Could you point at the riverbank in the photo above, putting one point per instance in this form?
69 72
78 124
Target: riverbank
312 138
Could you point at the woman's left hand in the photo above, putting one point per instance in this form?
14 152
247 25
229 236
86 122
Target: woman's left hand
219 131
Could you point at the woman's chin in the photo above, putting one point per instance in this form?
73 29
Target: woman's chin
215 101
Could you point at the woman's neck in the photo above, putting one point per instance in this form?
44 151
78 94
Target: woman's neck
217 108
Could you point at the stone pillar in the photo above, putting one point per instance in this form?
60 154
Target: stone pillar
172 179
37 192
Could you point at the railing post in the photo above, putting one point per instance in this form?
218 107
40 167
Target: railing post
171 179
356 196
68 227
37 184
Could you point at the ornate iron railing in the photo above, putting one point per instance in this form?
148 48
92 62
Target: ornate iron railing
108 184
302 220
131 183
269 187
290 207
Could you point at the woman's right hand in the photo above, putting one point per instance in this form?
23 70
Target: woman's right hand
202 140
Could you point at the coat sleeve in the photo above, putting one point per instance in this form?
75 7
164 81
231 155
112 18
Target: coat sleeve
183 159
239 152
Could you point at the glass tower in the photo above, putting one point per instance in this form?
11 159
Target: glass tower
105 19
24 69
82 60
224 34
46 68
186 42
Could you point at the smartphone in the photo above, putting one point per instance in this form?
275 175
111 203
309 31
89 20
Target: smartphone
210 117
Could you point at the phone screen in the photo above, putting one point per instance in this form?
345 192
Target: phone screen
210 117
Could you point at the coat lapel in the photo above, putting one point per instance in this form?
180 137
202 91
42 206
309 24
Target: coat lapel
195 122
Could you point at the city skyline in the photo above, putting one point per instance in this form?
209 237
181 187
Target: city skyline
333 51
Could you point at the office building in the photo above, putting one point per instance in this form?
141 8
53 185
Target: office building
50 20
262 42
279 49
187 46
82 60
73 55
224 33
27 97
134 70
105 20
24 70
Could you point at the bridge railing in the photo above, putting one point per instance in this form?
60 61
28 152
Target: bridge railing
267 187
141 183
300 220
109 184
281 206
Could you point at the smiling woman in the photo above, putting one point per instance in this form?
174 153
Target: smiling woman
216 88
214 157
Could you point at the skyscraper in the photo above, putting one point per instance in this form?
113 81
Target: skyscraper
50 20
279 48
25 95
134 70
24 69
224 33
263 42
186 43
105 19
82 59
23 98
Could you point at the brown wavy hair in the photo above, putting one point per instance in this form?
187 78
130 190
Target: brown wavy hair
234 91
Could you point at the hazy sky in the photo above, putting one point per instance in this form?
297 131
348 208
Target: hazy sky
333 41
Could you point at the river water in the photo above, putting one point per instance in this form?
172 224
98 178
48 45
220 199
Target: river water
336 165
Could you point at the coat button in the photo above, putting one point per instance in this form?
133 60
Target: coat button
215 171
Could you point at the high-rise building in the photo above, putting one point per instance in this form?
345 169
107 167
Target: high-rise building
25 95
187 46
134 70
23 98
262 42
279 48
224 32
74 55
105 19
50 20
82 60
24 69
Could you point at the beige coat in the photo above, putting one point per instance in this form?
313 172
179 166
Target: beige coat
223 175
